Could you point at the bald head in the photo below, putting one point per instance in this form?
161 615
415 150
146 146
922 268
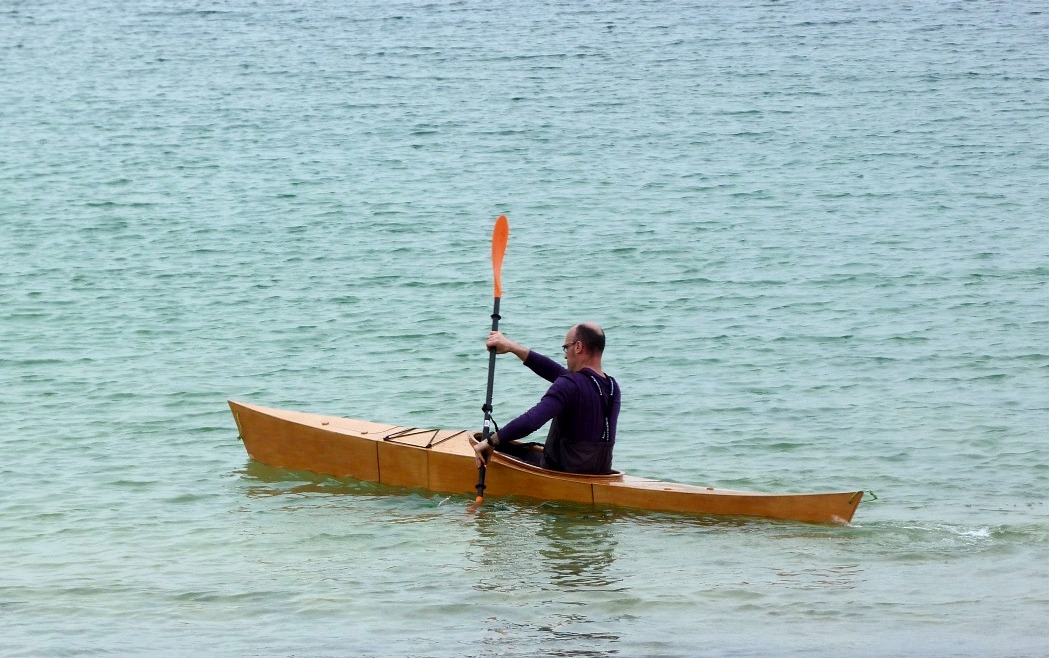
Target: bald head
592 337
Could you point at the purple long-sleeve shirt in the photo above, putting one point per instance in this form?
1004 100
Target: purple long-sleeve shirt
585 409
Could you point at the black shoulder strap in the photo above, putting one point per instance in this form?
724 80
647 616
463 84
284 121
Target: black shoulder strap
606 404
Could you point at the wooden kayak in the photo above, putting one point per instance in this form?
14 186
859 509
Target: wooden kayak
442 461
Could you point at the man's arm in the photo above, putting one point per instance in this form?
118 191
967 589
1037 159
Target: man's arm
544 366
502 345
555 400
541 365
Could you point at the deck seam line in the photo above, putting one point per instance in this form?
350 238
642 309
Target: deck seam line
378 465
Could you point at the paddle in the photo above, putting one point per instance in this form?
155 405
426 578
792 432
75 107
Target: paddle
500 235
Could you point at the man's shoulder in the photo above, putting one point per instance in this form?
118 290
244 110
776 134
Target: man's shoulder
604 382
587 373
568 377
580 380
569 381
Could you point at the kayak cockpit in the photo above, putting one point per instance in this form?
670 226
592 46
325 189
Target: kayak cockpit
521 465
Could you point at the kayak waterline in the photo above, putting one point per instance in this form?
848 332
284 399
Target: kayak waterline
442 461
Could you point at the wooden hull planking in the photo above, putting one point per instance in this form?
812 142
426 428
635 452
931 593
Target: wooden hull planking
442 461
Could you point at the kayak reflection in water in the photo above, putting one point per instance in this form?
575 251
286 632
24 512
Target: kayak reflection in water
582 402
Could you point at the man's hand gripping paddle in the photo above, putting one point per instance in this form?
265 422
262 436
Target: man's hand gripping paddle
499 238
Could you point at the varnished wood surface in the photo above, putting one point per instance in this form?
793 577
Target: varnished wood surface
396 455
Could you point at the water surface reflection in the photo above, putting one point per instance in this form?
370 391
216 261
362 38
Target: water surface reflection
555 568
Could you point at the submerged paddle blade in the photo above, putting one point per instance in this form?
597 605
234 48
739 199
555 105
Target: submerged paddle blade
500 236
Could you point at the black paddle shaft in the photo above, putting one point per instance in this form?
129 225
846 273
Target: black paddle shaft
487 408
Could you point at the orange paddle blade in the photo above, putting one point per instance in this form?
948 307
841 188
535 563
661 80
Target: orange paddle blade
499 238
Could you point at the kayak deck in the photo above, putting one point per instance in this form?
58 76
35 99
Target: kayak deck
443 461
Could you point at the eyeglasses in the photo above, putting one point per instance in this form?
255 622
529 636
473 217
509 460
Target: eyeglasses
564 348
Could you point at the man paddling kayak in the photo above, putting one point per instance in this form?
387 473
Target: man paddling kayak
583 403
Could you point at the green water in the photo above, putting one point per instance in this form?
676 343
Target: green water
814 232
